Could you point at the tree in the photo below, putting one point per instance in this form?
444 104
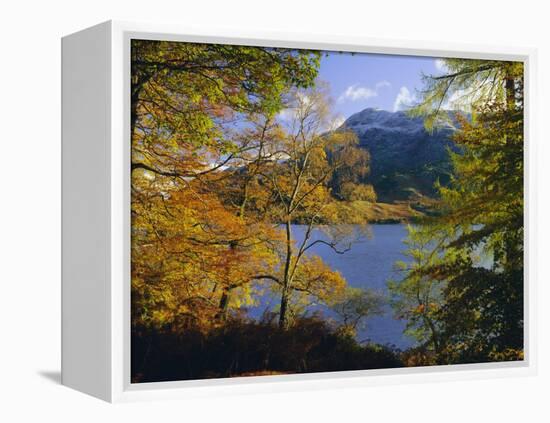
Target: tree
355 306
357 192
349 178
468 84
298 182
483 311
186 96
417 297
188 253
480 213
190 250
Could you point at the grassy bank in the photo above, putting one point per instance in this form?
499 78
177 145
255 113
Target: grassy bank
361 212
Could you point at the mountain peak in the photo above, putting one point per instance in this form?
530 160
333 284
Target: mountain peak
370 118
406 160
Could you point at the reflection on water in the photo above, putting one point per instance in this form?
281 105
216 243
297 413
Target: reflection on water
368 264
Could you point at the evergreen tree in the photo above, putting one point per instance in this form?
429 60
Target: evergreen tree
479 266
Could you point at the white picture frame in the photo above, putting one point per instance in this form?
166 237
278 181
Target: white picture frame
96 213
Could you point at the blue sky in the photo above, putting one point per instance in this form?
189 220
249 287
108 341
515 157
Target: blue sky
363 80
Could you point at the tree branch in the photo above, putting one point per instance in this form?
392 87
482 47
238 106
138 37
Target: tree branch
330 244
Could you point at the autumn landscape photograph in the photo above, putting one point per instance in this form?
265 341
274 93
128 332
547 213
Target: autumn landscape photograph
303 211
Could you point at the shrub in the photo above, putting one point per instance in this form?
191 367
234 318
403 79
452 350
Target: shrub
243 348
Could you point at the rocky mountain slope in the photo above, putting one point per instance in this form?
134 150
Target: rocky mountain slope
406 159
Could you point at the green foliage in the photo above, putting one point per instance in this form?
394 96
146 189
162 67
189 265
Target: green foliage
356 305
213 203
186 95
474 257
467 84
417 297
483 313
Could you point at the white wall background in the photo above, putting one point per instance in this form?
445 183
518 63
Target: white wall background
30 208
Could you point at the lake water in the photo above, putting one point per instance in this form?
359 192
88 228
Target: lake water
368 264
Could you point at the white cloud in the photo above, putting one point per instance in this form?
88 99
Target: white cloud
404 100
440 65
356 92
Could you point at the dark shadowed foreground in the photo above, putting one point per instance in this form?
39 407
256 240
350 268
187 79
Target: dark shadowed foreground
248 348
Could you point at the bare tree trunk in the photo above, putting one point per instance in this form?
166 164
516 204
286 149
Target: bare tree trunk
285 295
226 293
283 323
435 335
224 305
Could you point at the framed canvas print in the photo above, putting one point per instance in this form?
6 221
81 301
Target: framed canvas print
266 211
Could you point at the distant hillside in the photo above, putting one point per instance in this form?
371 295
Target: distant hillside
406 160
